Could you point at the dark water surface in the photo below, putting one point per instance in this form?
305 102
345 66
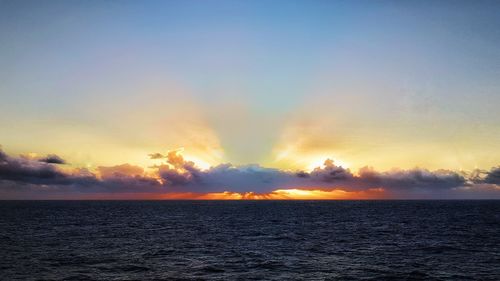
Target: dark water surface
249 240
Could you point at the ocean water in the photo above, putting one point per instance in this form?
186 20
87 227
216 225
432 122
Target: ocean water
250 240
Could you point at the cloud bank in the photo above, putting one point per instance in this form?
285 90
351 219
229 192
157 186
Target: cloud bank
25 178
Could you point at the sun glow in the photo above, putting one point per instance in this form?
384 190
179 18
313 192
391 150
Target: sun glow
198 162
307 161
320 162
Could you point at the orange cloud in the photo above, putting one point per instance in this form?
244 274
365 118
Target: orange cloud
120 171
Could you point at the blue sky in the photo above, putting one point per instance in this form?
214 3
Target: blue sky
280 83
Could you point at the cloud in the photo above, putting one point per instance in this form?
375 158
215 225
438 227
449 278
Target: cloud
156 156
479 176
180 175
493 176
415 178
30 175
52 159
177 175
120 171
226 177
331 173
29 171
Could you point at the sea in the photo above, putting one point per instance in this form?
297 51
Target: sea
250 240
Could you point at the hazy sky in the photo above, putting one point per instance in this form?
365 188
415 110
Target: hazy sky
284 84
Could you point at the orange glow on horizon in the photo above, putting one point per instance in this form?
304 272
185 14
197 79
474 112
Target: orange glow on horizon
279 194
298 194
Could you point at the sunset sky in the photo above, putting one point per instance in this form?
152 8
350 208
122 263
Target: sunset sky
247 99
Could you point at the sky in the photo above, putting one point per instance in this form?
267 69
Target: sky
249 99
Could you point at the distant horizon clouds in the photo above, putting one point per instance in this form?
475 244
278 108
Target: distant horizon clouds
177 178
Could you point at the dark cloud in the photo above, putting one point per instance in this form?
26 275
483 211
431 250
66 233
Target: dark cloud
331 172
249 178
415 178
29 171
52 159
3 155
488 177
176 174
493 176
